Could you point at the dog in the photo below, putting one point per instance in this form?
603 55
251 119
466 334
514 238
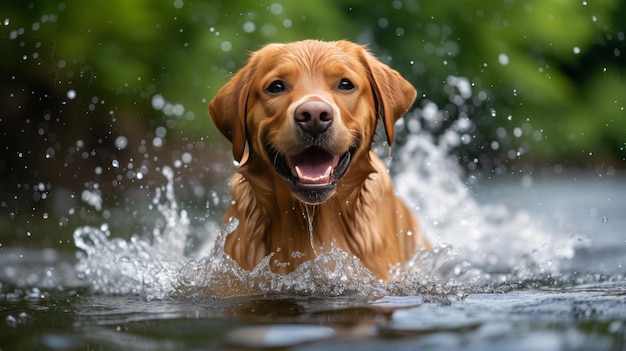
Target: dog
301 118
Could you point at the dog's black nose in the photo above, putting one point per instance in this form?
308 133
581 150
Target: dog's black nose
314 117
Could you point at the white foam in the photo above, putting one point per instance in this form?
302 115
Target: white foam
475 246
485 243
146 264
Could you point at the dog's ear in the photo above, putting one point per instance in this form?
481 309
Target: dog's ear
228 109
394 95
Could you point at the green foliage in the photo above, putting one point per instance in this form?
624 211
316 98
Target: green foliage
551 68
183 50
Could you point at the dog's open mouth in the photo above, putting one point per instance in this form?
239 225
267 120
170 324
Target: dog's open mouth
313 172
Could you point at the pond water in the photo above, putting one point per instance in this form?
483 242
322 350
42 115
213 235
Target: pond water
525 262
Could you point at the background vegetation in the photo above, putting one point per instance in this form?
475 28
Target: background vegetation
95 93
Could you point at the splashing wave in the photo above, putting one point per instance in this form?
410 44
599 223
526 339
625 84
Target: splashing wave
476 247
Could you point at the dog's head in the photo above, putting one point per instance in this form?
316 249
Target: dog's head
309 109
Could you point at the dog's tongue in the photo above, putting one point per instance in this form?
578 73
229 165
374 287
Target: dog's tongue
313 166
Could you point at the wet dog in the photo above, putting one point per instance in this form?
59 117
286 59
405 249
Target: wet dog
301 118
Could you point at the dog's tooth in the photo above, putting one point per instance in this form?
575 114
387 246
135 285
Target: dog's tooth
328 170
326 174
299 172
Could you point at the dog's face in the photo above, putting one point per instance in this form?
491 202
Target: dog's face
309 109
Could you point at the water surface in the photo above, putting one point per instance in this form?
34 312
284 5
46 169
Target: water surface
51 299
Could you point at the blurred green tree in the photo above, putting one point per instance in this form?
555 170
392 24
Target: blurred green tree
97 91
545 78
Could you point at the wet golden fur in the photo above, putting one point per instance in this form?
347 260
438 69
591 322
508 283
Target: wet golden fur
363 216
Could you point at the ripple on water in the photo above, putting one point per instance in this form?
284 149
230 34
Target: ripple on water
278 335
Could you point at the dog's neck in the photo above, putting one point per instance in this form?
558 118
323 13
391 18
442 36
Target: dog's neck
273 213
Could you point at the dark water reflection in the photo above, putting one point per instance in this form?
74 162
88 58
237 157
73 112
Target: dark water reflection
587 317
43 304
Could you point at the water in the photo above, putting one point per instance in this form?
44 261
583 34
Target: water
155 264
529 262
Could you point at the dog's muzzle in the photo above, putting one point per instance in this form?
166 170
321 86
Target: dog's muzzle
313 173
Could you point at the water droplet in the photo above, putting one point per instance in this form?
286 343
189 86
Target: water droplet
121 142
11 321
226 46
276 8
71 94
157 142
186 157
160 132
249 27
158 102
50 152
503 59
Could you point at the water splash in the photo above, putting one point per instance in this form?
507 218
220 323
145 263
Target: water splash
476 247
331 273
478 244
144 264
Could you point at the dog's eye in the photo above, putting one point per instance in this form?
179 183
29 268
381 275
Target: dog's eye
276 87
345 84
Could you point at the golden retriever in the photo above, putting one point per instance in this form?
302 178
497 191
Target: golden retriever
301 118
